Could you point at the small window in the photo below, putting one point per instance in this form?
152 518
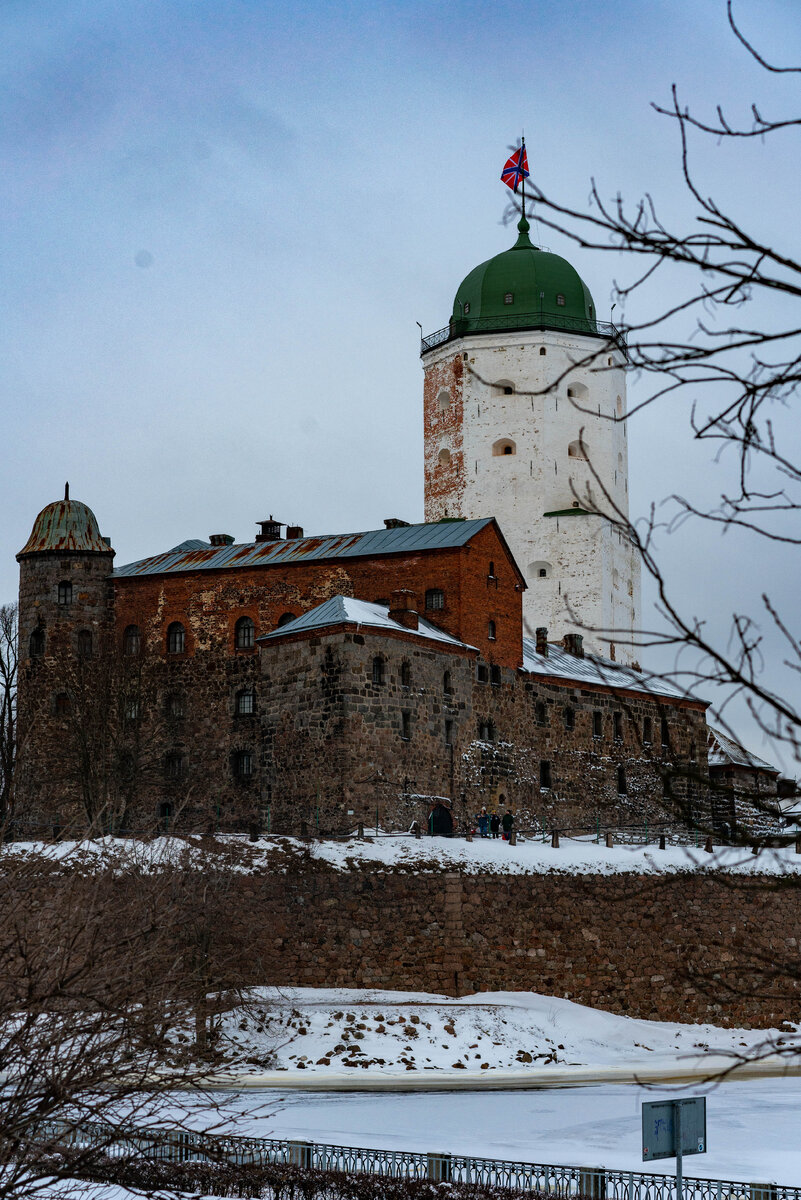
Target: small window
65 592
621 781
543 350
131 641
243 764
482 673
577 449
509 298
491 630
466 311
132 709
540 713
176 638
165 816
63 705
284 619
560 300
692 752
406 675
666 789
37 643
435 599
618 726
449 733
508 390
486 731
539 570
444 457
491 571
570 718
244 634
244 703
443 401
597 724
503 446
578 391
176 706
545 775
646 731
542 573
664 733
84 643
406 726
378 671
495 675
447 684
174 766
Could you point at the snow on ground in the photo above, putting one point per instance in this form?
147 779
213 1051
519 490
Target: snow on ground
337 1030
531 855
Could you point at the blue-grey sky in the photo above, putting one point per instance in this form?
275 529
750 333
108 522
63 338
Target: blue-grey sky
223 219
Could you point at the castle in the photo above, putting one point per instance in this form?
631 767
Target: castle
301 683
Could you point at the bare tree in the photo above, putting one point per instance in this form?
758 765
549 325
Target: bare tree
9 658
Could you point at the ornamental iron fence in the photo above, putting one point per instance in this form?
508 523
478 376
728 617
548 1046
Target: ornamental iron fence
520 321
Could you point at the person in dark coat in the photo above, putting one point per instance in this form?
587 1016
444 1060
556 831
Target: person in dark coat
507 822
495 824
483 823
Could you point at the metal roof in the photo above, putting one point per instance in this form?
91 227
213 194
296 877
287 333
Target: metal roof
406 539
345 610
723 751
65 525
594 669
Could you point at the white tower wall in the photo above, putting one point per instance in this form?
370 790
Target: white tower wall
591 569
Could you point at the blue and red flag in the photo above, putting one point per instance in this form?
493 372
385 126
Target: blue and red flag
515 169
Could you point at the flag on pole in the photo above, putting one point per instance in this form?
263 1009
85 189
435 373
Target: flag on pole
515 169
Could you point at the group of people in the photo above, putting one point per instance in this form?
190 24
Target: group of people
491 824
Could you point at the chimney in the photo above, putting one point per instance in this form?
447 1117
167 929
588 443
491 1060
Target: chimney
395 523
270 530
293 532
573 644
221 539
403 608
541 634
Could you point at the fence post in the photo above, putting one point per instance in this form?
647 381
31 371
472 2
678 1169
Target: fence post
440 1168
610 841
592 1183
300 1153
555 839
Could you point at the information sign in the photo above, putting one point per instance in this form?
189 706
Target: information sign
661 1123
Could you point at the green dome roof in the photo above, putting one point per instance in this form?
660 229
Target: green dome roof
523 288
66 525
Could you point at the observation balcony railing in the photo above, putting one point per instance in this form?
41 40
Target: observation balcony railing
516 322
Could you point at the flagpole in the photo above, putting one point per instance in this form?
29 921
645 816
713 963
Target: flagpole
522 177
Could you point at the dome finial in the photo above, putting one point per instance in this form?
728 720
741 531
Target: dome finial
524 241
66 491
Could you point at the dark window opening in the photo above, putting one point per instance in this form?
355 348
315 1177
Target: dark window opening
692 752
486 731
406 675
435 599
664 732
243 705
176 638
244 634
570 718
543 572
65 592
491 630
84 643
621 781
406 726
284 619
508 391
543 350
466 311
174 766
449 733
165 816
175 705
131 640
482 673
447 685
545 774
132 709
243 764
378 671
495 675
63 705
540 713
491 571
597 724
560 300
37 643
646 731
618 720
509 298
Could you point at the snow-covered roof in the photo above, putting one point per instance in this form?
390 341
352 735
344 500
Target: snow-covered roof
723 751
345 610
594 669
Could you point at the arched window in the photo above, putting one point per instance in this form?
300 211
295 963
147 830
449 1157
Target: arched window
621 781
491 630
284 619
444 457
176 705
37 643
131 640
406 675
176 638
539 570
244 634
244 703
486 731
65 592
543 350
570 718
243 764
504 387
174 766
435 599
62 704
577 449
447 685
578 391
84 643
378 671
443 400
503 446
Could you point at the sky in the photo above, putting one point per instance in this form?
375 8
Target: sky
222 222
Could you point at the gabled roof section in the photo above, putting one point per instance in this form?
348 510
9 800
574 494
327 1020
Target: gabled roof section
601 671
345 610
723 751
407 539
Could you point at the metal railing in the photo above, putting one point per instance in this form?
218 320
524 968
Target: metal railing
519 321
597 1183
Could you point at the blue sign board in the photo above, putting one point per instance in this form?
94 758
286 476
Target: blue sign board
661 1121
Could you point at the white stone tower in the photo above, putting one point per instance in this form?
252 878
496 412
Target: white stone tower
497 443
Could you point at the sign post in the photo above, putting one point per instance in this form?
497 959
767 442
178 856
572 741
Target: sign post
673 1128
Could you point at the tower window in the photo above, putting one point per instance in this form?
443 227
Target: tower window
542 573
284 619
491 571
491 630
406 675
132 709
378 671
509 298
545 775
504 446
174 766
84 643
597 724
435 599
618 720
444 457
486 731
621 781
243 703
560 300
176 638
406 726
482 673
449 733
570 718
577 449
65 592
664 733
539 570
543 350
243 764
443 400
646 731
495 675
175 705
447 685
466 311
540 713
244 634
37 643
131 641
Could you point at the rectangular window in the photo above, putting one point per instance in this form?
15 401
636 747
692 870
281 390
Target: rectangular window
406 726
545 775
482 673
618 719
495 676
646 731
449 733
664 733
597 724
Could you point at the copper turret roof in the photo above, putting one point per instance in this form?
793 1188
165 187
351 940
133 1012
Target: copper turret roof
65 525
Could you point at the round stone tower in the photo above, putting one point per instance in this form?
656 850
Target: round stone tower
524 400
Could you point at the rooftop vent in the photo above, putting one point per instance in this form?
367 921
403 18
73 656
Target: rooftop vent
293 532
574 644
221 539
270 530
541 635
403 607
395 523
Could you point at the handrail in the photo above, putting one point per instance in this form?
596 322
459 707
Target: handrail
520 321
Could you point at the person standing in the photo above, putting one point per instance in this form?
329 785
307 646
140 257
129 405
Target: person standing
495 824
507 822
483 823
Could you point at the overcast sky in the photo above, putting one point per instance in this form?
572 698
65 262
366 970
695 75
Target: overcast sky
223 219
